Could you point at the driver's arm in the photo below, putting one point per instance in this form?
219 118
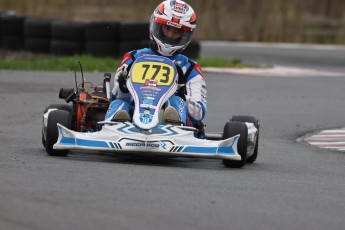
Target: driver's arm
196 97
120 90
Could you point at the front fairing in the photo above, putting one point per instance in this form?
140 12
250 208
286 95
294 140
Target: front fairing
152 81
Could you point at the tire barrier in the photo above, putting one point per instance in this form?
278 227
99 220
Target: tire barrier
12 37
12 42
67 31
66 48
37 28
101 48
193 50
37 45
133 31
37 33
100 39
67 38
101 31
126 46
3 14
133 36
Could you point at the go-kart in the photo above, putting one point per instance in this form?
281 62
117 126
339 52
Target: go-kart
152 80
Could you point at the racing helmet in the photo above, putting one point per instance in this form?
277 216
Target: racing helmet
172 15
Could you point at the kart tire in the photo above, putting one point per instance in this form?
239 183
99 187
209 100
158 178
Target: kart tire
101 31
231 129
12 26
125 46
12 42
65 107
37 45
37 28
62 47
67 31
101 48
133 31
57 116
43 140
68 108
256 123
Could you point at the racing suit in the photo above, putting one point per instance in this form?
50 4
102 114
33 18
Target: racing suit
191 88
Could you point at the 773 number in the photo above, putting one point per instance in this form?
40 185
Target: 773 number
157 68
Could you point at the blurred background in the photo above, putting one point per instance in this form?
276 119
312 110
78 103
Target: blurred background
302 21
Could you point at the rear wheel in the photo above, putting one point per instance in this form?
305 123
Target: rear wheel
231 129
57 116
255 121
65 107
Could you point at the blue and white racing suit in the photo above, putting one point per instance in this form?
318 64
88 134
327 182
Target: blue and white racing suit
191 85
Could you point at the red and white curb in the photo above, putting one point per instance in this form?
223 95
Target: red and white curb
327 139
275 71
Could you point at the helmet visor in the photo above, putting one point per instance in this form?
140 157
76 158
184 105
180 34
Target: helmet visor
171 35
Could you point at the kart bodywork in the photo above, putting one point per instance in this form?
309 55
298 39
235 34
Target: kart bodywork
164 140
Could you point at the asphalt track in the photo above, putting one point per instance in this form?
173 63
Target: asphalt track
291 186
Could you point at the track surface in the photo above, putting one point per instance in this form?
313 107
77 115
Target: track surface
291 186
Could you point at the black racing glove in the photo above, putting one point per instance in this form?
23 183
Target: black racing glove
122 80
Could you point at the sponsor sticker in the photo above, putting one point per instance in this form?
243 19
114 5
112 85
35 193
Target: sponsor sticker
152 88
174 24
150 82
149 145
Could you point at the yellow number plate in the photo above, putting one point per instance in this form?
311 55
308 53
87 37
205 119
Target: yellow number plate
161 72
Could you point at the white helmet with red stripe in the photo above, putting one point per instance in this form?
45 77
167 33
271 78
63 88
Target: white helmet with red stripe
178 15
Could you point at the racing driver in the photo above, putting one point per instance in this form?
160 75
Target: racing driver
172 26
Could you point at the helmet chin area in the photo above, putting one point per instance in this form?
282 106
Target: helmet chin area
166 49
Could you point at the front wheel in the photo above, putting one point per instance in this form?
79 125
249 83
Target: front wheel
65 107
57 116
250 119
231 129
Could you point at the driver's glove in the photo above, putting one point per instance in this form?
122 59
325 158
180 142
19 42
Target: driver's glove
194 108
121 77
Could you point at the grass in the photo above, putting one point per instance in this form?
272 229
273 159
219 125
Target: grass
27 61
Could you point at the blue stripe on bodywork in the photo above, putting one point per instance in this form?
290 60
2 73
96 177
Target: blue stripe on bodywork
227 150
67 141
80 142
90 143
196 149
